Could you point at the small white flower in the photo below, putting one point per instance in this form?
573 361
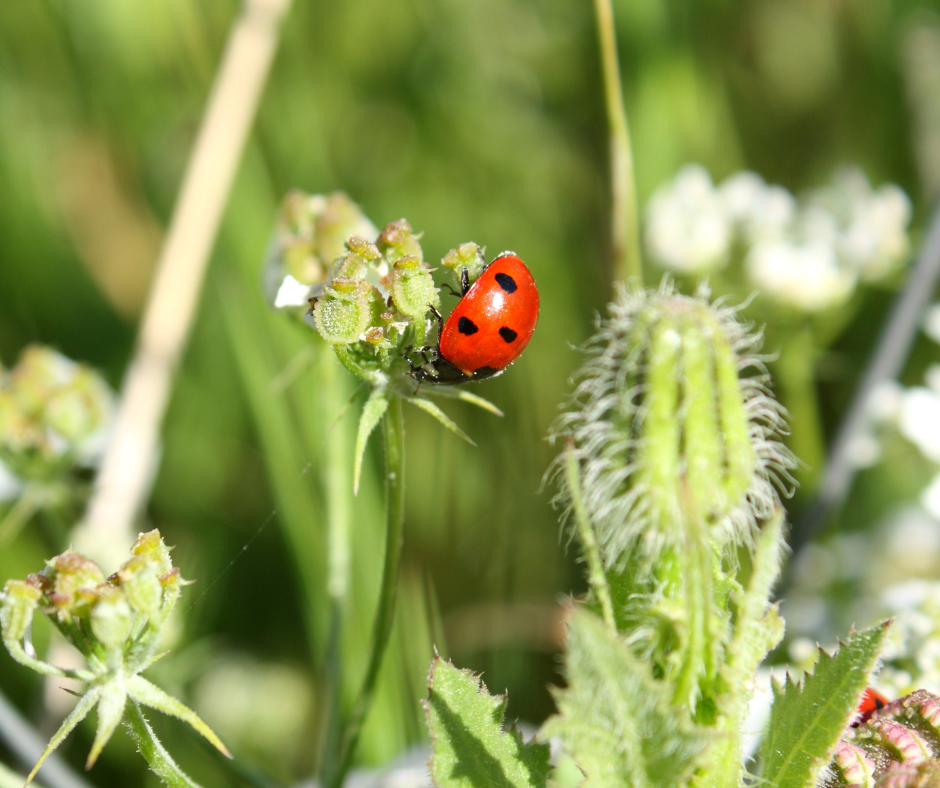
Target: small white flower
10 484
805 276
919 420
291 293
931 324
686 225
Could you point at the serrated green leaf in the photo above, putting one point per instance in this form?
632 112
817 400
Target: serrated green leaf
429 407
85 704
615 720
470 748
372 413
807 719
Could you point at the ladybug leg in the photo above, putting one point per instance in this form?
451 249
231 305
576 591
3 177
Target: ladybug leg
440 321
452 291
464 280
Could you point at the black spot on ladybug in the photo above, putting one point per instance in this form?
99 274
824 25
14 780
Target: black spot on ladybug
879 703
508 284
466 326
508 334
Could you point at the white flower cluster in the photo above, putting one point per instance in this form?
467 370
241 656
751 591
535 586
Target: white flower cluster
912 652
807 254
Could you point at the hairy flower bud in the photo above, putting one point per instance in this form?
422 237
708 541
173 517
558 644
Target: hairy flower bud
347 308
19 601
111 618
468 256
74 584
138 578
398 240
667 431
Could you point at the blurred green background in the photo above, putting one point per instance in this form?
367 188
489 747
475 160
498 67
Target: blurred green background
478 120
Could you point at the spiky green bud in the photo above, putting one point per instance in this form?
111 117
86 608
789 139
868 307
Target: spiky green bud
111 618
668 431
20 599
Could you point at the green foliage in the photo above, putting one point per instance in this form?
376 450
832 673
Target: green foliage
808 718
470 747
615 720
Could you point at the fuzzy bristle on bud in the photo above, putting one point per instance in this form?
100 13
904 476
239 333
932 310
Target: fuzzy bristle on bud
668 430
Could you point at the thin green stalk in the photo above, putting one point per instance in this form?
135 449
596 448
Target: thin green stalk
336 485
625 225
335 768
154 753
20 513
596 575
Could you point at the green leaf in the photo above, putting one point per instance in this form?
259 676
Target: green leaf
142 691
11 779
85 704
372 413
615 720
153 751
470 748
465 396
110 712
807 719
429 407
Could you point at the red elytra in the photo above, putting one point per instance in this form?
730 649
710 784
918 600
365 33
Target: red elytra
872 701
490 326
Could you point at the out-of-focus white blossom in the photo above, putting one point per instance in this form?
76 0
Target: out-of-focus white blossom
919 420
10 485
688 227
912 651
807 255
806 276
931 322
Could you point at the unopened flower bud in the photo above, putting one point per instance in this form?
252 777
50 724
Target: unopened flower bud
397 240
347 308
413 290
111 617
142 587
74 584
468 256
19 601
150 546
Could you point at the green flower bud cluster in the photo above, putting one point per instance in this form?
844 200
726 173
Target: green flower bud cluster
54 414
377 300
114 622
310 234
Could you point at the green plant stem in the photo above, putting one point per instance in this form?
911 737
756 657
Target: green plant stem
154 753
597 577
625 225
20 513
393 431
336 484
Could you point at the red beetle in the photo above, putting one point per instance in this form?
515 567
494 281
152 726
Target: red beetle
872 701
489 327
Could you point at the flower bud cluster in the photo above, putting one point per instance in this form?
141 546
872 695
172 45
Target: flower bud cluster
54 415
115 623
376 293
808 254
109 620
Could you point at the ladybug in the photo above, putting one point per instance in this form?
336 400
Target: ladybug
488 329
872 701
